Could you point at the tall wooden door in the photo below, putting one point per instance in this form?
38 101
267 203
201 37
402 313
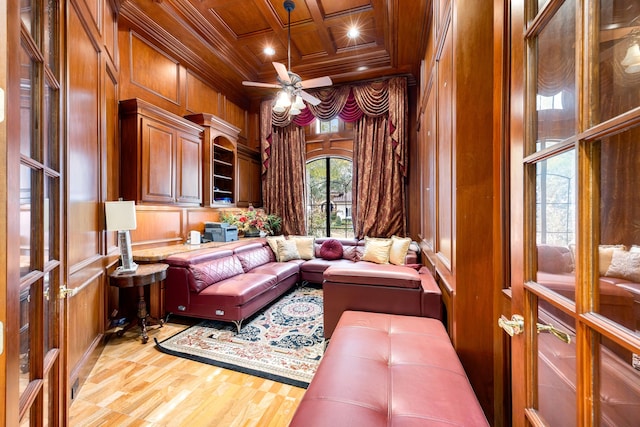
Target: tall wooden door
575 315
34 363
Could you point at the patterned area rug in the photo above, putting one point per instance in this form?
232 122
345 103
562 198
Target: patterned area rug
284 343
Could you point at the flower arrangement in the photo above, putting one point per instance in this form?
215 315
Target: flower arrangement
253 221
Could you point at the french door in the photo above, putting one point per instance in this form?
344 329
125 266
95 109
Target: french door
576 308
33 386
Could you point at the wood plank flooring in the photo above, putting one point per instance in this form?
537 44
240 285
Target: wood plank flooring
133 384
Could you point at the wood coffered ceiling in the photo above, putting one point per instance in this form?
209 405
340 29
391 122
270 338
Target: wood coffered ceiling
223 40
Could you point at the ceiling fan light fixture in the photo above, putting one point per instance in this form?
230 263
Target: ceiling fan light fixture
631 61
298 104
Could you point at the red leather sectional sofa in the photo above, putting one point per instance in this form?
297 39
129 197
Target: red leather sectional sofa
233 282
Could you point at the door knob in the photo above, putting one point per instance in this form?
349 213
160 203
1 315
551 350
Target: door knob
515 326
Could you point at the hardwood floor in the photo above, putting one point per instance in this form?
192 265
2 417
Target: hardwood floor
133 384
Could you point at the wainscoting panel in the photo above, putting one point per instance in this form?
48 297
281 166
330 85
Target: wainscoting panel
201 98
164 81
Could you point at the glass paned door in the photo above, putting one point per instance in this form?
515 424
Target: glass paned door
38 205
579 296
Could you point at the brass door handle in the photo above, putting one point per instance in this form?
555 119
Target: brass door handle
555 332
513 327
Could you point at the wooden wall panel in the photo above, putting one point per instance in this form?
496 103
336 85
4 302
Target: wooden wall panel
446 209
201 98
110 31
197 218
84 162
236 116
85 314
153 70
161 225
95 9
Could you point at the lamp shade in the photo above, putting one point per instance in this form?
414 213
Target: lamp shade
121 215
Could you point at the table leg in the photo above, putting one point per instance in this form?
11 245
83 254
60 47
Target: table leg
142 315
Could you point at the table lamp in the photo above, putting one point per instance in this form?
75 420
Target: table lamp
121 217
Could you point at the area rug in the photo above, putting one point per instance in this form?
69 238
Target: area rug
284 343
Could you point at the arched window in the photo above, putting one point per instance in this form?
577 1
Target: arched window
329 197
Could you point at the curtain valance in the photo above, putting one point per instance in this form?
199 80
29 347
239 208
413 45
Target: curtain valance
350 103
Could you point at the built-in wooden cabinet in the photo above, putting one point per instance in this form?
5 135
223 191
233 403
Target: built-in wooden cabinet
219 160
249 188
161 155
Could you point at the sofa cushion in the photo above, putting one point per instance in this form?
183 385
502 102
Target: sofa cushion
399 249
240 289
287 250
306 249
376 250
273 243
331 249
207 273
625 265
554 259
255 257
352 253
605 253
366 273
282 270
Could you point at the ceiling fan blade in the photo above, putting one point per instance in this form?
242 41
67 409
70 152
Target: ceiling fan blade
318 82
258 84
282 72
309 98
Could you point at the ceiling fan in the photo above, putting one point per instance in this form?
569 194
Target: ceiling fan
290 84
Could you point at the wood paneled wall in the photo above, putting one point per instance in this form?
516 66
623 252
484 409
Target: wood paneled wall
460 184
92 171
151 73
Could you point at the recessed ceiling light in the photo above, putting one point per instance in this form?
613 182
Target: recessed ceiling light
362 68
353 33
269 50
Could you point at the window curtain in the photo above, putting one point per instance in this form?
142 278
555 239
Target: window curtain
379 110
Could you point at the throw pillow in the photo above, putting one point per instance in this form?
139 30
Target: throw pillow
554 259
287 250
635 249
376 250
399 249
331 249
605 252
625 265
273 244
352 252
306 247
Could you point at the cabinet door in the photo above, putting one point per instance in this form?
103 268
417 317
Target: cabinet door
189 169
158 160
248 191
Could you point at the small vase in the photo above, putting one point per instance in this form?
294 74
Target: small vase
252 232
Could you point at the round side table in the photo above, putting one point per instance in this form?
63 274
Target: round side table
145 275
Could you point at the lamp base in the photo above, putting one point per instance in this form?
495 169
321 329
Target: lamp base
130 269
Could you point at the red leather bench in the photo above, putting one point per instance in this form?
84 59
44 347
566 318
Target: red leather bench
389 370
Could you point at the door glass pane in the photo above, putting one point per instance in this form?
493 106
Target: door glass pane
617 86
25 340
51 35
316 198
50 134
341 224
619 250
619 388
556 81
557 370
26 103
26 12
51 201
555 223
27 177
